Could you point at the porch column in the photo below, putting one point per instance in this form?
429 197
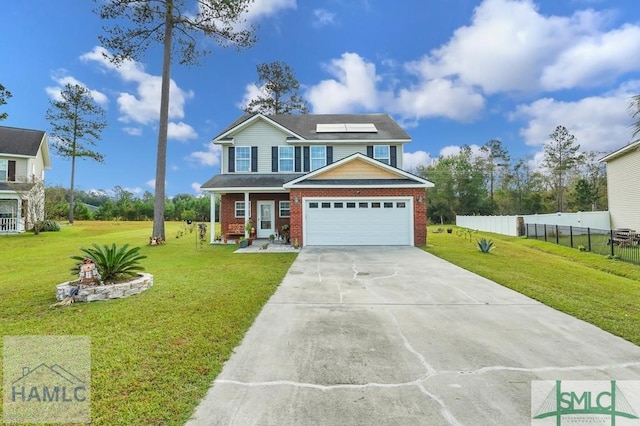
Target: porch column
212 220
247 212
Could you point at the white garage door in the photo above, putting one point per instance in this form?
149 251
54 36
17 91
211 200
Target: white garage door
358 221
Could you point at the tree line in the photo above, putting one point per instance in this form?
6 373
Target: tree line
490 182
123 205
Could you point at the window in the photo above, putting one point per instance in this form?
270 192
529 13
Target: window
375 205
239 209
243 159
4 170
326 205
401 204
285 158
351 205
388 205
313 205
363 205
285 208
318 157
338 205
381 153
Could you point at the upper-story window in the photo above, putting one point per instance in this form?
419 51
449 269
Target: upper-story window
7 171
243 159
285 158
381 153
318 157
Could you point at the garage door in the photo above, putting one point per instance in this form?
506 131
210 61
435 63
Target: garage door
359 221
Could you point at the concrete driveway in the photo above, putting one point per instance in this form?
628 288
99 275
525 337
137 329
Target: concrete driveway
396 336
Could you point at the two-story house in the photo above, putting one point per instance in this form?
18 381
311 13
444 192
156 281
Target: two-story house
24 156
334 179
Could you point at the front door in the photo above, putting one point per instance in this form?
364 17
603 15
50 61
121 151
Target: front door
265 225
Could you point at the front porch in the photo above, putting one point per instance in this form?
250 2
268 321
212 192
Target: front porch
11 219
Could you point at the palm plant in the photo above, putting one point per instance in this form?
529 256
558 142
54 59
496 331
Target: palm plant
485 246
113 263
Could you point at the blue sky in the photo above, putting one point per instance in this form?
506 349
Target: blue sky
452 72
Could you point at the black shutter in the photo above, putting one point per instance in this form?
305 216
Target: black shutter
11 177
254 159
394 156
232 159
298 165
329 154
370 151
274 158
307 160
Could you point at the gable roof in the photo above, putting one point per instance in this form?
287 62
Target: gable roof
303 127
314 179
624 150
24 142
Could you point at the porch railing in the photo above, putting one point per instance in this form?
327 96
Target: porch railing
8 224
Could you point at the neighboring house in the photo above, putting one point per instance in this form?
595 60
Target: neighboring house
334 179
24 156
623 190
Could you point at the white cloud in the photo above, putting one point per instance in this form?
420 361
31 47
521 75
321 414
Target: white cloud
453 150
144 106
411 160
133 131
196 187
595 60
352 88
209 157
510 46
263 8
54 91
599 123
322 18
439 98
251 92
151 183
181 131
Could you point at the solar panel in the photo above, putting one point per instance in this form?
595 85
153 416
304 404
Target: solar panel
346 128
361 128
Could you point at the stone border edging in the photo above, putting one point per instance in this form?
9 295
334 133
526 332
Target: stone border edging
105 292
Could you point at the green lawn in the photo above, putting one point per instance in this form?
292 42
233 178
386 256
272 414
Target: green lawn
589 286
154 355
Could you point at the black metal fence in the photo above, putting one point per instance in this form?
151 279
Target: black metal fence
600 241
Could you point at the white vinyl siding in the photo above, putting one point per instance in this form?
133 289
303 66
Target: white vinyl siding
624 191
262 135
341 151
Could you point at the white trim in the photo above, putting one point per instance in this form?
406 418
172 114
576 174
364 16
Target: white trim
359 185
280 208
250 121
409 201
425 183
335 142
293 159
237 190
621 151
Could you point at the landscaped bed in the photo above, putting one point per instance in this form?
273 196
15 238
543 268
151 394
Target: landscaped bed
154 355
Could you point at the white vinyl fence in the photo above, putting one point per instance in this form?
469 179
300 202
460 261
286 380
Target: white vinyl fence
511 225
506 225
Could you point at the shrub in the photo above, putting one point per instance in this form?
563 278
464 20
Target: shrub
485 246
46 226
113 263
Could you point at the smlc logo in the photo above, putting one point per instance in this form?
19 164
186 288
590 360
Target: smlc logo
44 384
583 402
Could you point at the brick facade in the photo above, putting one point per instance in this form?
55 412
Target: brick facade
227 208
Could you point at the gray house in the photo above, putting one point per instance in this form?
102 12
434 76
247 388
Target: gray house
24 156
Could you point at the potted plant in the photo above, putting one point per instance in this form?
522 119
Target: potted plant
243 242
285 233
